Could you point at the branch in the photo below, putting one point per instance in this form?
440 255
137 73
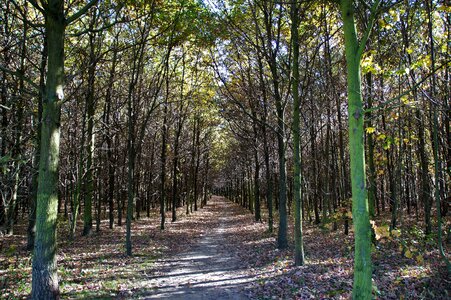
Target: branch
107 25
366 35
383 105
21 76
36 5
24 17
367 6
236 101
81 12
100 29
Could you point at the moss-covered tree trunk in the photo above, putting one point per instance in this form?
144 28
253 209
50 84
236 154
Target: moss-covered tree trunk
44 270
360 212
45 278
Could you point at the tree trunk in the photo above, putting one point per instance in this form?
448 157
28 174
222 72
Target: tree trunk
269 185
31 231
164 132
109 141
315 185
80 175
372 168
16 151
282 241
130 179
435 144
176 146
45 277
298 239
362 257
196 169
90 111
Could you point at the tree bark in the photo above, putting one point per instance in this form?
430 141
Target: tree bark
353 49
90 111
44 273
31 230
298 239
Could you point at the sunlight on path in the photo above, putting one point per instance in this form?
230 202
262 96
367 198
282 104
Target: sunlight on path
208 270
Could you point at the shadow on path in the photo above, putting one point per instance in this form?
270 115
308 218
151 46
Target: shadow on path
208 270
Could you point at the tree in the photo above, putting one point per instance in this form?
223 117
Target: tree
31 230
271 53
354 49
45 277
299 246
90 136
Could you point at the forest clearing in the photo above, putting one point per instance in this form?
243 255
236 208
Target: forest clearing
230 149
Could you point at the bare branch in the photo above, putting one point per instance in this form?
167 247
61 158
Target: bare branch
20 75
23 17
36 5
366 35
416 85
81 12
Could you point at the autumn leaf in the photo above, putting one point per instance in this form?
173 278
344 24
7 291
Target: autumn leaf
370 130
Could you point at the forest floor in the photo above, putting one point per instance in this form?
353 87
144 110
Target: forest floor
220 252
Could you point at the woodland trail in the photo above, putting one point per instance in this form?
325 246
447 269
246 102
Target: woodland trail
208 269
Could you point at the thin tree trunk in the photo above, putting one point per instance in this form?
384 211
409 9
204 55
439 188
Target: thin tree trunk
196 169
80 175
298 238
109 140
315 194
31 231
90 110
269 185
16 151
435 144
176 147
164 132
282 241
372 168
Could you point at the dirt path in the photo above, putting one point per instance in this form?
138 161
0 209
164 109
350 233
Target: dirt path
207 270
